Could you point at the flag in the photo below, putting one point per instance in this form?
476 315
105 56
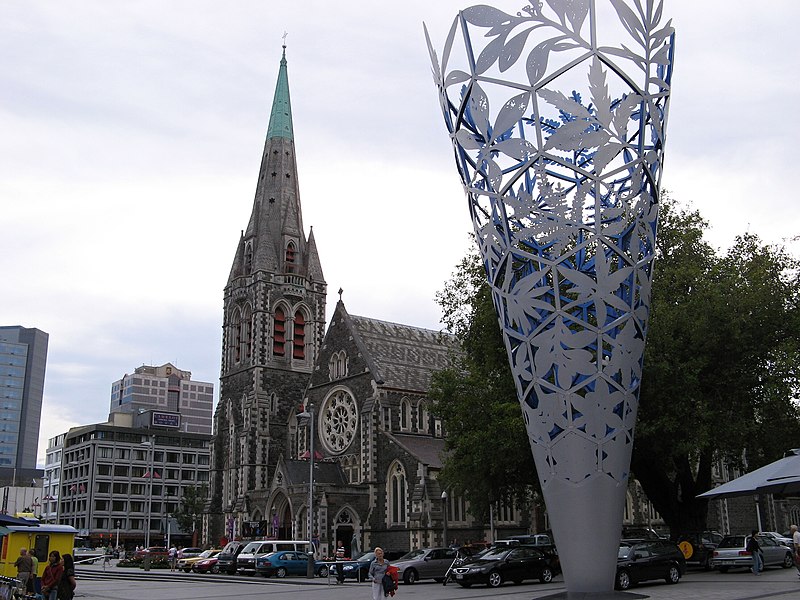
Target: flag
146 474
73 488
156 475
81 489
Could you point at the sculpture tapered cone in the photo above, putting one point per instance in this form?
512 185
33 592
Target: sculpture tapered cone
563 194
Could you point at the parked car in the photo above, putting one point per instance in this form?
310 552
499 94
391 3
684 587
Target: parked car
698 547
189 552
185 564
246 561
288 562
505 564
639 532
536 539
355 568
779 537
87 555
643 560
425 563
732 553
228 558
206 565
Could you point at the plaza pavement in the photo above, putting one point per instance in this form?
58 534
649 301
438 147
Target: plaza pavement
127 584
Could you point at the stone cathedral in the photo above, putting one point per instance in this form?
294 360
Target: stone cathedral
364 382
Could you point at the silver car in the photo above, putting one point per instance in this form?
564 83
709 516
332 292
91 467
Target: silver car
732 552
427 563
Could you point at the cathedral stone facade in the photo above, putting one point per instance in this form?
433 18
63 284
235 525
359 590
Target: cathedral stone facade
364 382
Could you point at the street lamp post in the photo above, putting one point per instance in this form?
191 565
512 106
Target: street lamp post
151 459
117 534
309 414
444 512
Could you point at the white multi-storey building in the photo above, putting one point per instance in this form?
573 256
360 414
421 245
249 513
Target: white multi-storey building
166 388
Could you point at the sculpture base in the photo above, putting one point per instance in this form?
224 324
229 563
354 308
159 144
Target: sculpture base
593 596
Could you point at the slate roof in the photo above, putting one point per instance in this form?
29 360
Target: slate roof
427 450
404 357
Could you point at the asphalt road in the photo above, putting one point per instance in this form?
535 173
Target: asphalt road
126 584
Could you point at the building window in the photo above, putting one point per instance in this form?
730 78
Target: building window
405 414
422 417
290 258
236 332
248 257
507 511
279 333
299 344
398 495
246 334
337 366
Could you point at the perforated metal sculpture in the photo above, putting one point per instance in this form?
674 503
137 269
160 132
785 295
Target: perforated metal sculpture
563 191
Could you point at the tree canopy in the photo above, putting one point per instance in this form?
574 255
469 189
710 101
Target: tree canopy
191 507
719 382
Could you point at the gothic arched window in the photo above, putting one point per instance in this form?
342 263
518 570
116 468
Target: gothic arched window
422 417
405 414
236 334
248 257
299 345
279 333
245 333
290 258
398 495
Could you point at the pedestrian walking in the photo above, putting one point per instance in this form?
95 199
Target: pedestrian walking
173 557
796 547
339 556
24 566
754 548
34 573
377 571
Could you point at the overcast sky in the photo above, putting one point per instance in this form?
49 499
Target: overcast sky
131 135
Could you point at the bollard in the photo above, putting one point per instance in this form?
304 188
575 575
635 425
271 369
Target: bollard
146 562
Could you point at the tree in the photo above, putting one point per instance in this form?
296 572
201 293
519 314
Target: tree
191 507
488 456
719 378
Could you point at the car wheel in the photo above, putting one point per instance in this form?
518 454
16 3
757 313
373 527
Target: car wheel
410 576
495 579
788 561
673 575
215 569
323 571
723 569
623 580
546 576
189 570
280 573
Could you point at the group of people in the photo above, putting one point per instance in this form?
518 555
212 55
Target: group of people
754 548
57 581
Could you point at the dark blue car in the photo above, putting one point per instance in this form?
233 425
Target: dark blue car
288 562
356 568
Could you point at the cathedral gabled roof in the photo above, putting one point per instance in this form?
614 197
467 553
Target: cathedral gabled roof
277 217
427 450
401 356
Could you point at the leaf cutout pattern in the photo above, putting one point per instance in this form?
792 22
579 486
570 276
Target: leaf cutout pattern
562 186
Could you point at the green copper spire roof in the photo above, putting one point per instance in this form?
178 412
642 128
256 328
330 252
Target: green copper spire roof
280 121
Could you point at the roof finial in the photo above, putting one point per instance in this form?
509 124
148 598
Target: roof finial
341 291
285 33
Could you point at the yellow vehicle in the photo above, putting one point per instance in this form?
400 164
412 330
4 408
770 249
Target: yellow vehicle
185 564
41 538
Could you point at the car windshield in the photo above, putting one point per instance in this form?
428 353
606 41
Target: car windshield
368 557
412 555
624 550
732 541
206 553
496 554
251 548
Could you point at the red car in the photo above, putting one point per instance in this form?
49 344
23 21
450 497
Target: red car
207 565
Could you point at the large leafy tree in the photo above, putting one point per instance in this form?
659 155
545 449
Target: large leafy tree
719 379
488 456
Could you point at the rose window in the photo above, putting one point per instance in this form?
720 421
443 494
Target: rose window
338 421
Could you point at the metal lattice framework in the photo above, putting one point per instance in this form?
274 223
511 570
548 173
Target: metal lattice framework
563 193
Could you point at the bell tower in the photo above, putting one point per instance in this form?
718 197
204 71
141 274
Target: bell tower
274 320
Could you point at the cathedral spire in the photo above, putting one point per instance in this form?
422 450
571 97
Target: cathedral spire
280 121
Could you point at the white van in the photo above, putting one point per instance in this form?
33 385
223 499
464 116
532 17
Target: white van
246 561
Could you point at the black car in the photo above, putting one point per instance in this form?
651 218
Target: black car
505 564
226 560
642 560
698 547
355 568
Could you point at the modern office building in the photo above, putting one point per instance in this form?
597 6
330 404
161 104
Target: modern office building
52 479
23 359
166 388
126 478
